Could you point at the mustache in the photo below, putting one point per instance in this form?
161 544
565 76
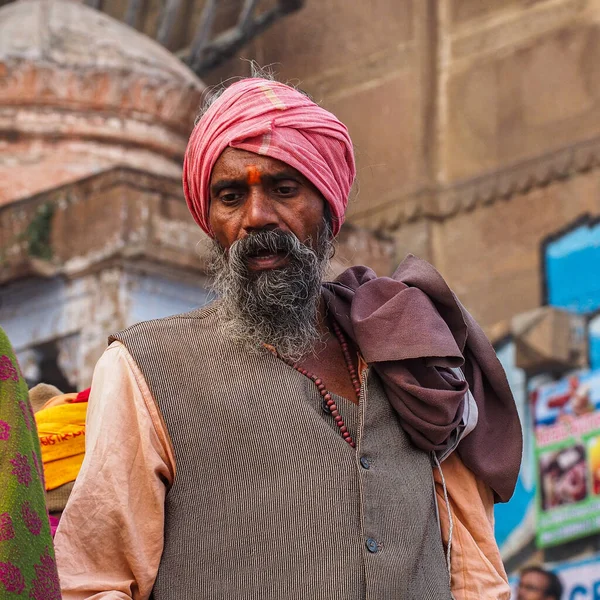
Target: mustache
274 241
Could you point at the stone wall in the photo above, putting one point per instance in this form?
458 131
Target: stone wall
492 254
519 143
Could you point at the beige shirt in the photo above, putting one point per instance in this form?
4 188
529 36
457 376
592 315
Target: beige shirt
110 539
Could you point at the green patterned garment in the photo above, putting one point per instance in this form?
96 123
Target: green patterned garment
27 566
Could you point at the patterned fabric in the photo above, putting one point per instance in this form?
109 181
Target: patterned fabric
27 566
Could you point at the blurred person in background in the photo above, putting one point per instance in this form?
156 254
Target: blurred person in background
279 443
27 565
536 583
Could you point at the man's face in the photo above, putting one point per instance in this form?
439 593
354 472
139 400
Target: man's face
251 193
532 586
272 247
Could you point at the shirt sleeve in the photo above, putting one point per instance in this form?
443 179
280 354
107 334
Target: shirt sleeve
476 565
110 538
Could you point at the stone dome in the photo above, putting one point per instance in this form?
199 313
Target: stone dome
69 73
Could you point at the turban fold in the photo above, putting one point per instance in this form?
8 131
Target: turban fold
271 119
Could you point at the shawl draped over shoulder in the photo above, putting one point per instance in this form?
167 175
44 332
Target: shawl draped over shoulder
415 333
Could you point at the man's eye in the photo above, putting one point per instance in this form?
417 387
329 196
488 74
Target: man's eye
285 190
230 197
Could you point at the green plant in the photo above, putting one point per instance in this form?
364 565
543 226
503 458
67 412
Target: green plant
38 232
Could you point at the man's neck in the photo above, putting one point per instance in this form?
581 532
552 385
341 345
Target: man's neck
328 362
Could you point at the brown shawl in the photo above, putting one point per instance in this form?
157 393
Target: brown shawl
412 329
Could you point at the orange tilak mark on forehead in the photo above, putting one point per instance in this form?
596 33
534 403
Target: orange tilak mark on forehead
253 175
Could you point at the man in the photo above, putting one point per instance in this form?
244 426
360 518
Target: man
536 583
279 442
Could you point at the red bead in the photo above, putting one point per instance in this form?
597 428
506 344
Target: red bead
343 429
339 419
318 382
334 412
345 435
352 444
327 396
330 403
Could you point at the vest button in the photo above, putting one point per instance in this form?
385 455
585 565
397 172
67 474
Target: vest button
364 463
372 545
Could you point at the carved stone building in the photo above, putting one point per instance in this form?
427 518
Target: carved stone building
94 119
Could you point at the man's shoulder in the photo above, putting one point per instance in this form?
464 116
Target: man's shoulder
203 317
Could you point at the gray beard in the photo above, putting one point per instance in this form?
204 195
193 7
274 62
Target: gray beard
277 307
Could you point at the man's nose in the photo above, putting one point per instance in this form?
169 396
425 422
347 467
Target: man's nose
260 213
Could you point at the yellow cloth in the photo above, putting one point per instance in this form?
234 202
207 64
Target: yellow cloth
61 428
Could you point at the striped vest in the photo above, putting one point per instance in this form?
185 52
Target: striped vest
268 501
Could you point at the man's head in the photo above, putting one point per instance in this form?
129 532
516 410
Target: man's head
270 119
267 175
536 583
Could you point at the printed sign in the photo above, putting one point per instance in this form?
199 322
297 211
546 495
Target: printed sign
567 450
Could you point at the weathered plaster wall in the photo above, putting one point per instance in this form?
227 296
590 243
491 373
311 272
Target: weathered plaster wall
81 93
81 313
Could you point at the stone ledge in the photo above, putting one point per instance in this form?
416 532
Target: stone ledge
444 202
519 178
133 209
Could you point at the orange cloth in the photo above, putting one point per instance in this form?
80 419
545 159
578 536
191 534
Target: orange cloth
118 556
61 429
476 566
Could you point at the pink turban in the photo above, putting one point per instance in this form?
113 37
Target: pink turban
275 120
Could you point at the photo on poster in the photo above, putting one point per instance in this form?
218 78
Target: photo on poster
563 477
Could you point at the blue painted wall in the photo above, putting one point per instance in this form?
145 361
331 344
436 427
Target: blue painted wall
572 265
594 332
